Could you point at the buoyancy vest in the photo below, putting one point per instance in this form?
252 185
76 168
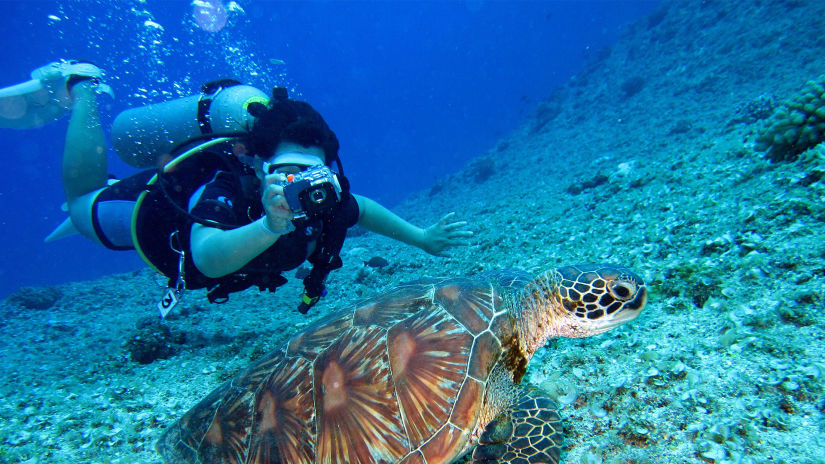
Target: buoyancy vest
161 225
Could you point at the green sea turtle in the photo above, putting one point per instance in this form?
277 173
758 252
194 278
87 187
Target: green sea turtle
421 374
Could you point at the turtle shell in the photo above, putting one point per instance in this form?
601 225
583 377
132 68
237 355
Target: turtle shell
399 378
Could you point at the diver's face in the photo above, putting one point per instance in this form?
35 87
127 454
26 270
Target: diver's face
289 158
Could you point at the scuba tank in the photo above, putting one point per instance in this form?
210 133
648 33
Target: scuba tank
143 136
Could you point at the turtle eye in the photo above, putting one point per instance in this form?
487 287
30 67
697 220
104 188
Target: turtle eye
622 290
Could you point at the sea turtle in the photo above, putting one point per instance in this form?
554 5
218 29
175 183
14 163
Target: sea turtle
420 374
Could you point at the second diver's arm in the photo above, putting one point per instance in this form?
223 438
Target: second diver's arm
376 218
434 239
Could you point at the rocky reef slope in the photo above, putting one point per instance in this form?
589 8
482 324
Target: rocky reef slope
657 156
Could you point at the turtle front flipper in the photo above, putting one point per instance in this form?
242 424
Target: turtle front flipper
528 431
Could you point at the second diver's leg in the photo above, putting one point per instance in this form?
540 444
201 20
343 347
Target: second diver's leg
84 154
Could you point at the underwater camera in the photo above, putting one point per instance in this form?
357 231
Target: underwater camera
312 192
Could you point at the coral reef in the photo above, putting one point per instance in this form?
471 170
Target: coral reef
797 124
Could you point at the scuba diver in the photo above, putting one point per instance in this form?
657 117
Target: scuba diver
242 186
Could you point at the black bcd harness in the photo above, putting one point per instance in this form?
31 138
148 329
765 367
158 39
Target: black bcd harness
164 244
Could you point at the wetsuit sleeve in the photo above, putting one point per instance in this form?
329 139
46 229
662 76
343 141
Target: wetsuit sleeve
349 209
217 201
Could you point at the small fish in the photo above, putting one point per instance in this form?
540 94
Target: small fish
277 62
377 261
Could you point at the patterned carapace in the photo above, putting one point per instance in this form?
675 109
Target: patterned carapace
419 374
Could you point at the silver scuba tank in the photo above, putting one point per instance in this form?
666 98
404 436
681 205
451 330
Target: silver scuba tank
143 136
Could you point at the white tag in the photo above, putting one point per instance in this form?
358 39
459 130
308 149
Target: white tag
169 300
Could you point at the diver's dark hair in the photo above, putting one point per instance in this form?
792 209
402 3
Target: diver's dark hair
287 120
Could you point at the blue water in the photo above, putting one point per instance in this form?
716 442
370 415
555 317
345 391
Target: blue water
413 89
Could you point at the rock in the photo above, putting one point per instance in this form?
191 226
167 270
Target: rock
35 297
632 86
152 341
595 181
481 169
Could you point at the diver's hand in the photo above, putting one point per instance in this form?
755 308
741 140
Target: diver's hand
278 215
445 234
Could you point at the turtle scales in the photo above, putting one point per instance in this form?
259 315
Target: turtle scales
424 373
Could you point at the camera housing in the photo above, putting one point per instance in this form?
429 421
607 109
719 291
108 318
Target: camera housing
312 192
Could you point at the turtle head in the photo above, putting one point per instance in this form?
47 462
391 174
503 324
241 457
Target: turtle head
579 301
596 298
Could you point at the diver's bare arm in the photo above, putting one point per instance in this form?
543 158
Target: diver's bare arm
217 252
376 218
435 239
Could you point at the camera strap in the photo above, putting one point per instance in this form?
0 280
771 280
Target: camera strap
327 257
314 283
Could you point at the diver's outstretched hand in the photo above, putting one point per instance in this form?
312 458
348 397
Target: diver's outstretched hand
446 234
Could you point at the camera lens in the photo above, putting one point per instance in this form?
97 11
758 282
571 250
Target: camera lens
318 196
